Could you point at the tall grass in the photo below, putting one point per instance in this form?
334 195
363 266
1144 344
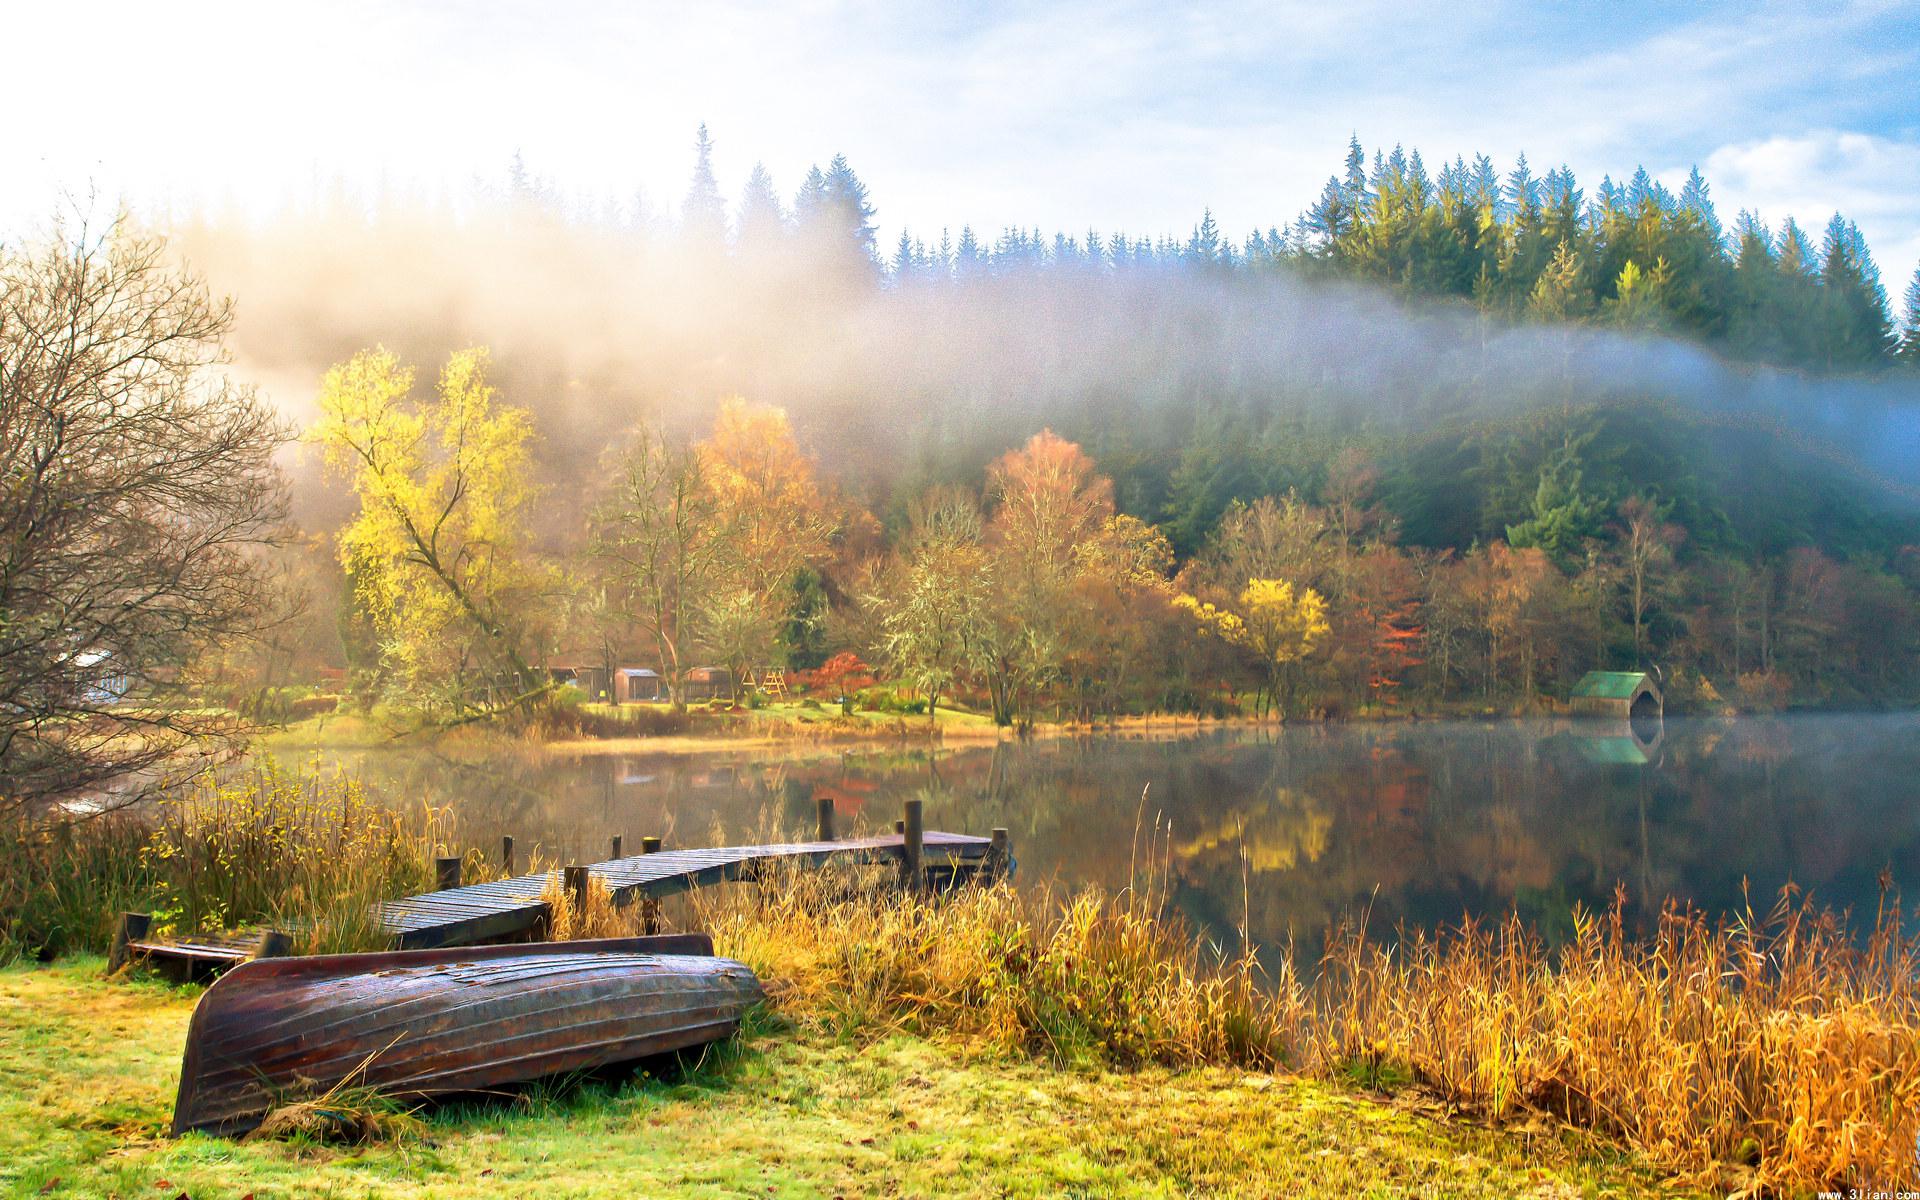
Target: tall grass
309 852
1770 1054
1775 1045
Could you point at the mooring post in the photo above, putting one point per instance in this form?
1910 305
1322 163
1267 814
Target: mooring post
574 878
506 854
132 927
446 874
999 853
824 827
616 847
274 943
913 825
649 907
899 826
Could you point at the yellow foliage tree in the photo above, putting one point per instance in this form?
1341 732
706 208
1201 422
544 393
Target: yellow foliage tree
1272 620
437 553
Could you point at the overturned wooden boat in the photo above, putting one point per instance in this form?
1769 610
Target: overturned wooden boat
421 1023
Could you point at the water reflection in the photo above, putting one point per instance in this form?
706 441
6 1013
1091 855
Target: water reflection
1293 828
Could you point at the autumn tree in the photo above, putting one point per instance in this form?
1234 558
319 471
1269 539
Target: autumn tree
438 552
1273 621
1047 500
935 598
1506 585
654 537
768 521
1124 622
137 485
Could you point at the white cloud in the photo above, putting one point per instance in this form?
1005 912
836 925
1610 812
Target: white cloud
1873 180
1111 113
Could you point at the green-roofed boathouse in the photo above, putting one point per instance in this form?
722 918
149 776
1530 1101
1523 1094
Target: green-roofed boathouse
1625 694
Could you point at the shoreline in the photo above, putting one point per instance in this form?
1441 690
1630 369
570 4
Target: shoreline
795 737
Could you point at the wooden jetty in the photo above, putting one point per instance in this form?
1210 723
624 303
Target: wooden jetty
512 908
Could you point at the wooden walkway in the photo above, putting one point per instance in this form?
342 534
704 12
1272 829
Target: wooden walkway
507 908
483 911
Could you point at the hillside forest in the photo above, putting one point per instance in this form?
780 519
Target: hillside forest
1446 440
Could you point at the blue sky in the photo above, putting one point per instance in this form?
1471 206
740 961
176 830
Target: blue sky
1103 114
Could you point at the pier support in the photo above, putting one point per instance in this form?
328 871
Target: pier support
913 828
132 928
446 874
999 856
823 828
649 907
506 855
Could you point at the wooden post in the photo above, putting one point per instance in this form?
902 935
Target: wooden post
446 874
825 823
914 827
275 944
132 927
575 880
616 847
649 907
899 826
999 854
506 854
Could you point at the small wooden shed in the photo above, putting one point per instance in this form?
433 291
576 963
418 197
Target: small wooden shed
641 684
708 683
1628 695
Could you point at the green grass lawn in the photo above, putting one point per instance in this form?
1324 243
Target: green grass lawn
88 1069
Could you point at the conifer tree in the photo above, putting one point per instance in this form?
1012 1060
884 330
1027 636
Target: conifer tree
1908 352
703 215
845 208
762 222
1859 333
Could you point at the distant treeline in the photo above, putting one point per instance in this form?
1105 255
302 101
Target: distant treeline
1634 256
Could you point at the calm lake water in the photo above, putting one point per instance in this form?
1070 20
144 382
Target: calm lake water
1295 827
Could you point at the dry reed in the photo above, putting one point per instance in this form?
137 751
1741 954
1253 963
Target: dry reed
1767 1055
308 852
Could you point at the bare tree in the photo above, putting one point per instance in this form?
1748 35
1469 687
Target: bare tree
1647 544
136 485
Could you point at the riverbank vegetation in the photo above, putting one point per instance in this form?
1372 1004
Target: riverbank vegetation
1769 1054
1776 1052
311 853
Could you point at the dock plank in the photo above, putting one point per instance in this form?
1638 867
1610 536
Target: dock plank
508 907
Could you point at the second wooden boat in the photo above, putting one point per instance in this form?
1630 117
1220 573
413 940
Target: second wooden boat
422 1023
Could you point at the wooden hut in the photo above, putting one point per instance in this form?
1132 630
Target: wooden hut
708 683
1627 695
641 685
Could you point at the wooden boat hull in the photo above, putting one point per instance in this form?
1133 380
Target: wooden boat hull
421 1023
